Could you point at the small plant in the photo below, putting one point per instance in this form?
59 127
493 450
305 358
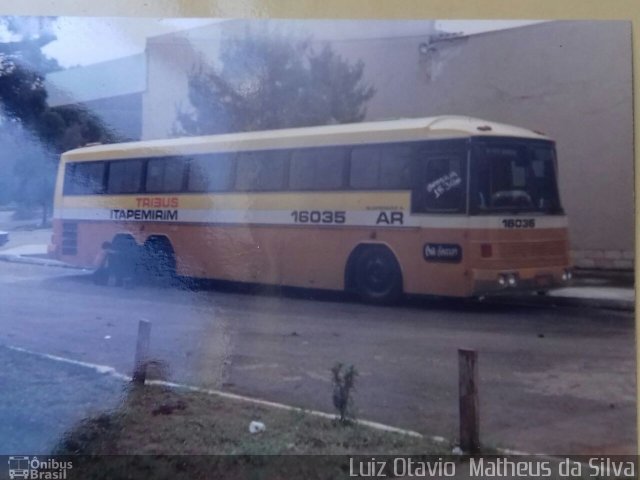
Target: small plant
343 386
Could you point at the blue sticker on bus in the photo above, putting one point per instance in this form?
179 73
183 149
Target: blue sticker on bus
442 252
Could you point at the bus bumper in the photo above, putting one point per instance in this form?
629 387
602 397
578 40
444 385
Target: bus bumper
533 279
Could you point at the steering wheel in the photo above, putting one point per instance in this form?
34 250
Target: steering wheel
516 198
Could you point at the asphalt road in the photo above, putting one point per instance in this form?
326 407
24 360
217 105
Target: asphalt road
552 380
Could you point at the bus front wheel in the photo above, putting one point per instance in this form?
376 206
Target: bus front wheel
376 275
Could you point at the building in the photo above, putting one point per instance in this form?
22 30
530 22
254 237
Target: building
111 90
570 79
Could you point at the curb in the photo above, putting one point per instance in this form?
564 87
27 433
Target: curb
605 303
45 262
521 300
111 371
573 302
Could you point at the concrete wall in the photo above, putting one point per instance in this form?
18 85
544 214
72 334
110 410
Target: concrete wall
121 114
170 59
110 90
571 80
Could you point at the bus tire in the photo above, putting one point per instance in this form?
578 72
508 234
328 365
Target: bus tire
158 259
376 275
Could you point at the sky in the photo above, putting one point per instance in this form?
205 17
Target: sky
82 41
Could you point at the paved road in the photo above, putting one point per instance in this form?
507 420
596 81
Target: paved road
552 380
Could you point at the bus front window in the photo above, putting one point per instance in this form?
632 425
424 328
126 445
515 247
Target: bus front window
515 178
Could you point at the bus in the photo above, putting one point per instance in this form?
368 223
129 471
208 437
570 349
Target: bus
446 206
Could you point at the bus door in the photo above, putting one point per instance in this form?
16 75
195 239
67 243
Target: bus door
440 182
439 207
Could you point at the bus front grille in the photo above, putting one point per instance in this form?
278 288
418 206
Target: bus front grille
69 238
549 248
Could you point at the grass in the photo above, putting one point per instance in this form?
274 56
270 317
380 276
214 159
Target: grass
41 398
182 429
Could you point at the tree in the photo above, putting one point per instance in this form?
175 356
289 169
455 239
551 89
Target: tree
32 133
269 80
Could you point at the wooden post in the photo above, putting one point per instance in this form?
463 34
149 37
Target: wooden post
142 352
468 390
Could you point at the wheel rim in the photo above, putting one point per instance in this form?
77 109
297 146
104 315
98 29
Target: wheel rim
377 274
158 262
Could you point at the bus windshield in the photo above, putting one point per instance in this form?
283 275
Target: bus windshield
513 178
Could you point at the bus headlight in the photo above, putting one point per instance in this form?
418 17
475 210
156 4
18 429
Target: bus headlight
567 275
502 280
512 280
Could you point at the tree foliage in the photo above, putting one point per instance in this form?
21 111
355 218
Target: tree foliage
32 133
23 95
269 80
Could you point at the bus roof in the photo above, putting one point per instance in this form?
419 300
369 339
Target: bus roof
441 127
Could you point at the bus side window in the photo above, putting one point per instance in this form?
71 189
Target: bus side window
442 184
261 171
164 175
395 167
212 172
364 167
317 168
125 176
85 178
385 167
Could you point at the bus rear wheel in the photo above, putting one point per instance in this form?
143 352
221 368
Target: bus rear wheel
158 260
377 276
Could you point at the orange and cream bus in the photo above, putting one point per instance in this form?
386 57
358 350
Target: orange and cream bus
451 206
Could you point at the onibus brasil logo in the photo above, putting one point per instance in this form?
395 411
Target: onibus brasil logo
32 468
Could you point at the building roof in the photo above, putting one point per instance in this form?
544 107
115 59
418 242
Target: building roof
318 29
441 127
122 76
